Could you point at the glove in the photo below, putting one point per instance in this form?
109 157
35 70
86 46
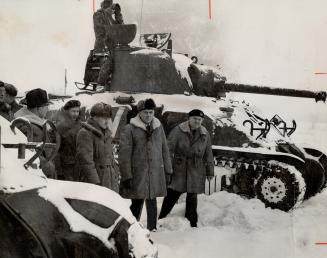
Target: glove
168 179
209 178
127 184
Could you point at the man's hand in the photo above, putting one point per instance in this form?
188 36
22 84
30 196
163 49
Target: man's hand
209 178
127 184
168 179
110 10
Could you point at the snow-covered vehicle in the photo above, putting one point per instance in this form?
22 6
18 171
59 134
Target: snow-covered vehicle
254 156
41 217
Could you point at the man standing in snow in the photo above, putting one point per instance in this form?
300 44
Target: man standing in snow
37 107
144 162
190 146
11 93
94 151
4 107
68 127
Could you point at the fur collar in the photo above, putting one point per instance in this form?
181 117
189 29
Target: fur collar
93 127
137 122
34 119
186 128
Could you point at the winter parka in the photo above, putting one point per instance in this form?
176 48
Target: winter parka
37 127
192 158
66 159
145 159
94 154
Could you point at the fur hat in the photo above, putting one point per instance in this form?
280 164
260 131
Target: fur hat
2 84
101 110
11 90
71 104
196 112
37 98
146 104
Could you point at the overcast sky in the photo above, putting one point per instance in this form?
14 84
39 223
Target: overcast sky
278 43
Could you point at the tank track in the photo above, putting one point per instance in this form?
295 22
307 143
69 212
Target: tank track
266 176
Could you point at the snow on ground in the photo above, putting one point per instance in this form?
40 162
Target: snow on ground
233 227
230 226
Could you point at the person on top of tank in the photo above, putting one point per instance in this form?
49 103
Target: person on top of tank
190 148
94 150
144 162
109 14
68 126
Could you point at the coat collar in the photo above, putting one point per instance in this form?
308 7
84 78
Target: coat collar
186 128
34 119
137 122
93 127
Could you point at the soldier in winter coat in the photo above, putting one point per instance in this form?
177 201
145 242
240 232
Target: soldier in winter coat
102 20
190 147
11 93
144 162
35 112
68 127
94 149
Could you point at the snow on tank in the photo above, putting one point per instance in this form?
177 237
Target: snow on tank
16 179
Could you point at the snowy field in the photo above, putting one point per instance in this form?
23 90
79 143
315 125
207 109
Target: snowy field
232 227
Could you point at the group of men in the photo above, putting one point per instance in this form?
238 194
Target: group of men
150 165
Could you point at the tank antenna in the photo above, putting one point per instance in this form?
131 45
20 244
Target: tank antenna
65 81
141 21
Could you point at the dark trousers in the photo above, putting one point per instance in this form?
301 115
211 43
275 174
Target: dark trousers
151 211
191 205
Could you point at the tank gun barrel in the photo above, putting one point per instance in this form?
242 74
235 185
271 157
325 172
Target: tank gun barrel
235 87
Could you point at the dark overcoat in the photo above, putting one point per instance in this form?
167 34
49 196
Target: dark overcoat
145 159
192 158
94 154
66 160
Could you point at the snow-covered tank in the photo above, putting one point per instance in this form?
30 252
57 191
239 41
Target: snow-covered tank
254 156
41 217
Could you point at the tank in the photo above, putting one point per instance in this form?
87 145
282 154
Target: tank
45 218
254 155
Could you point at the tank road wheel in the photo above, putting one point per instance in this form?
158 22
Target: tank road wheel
280 186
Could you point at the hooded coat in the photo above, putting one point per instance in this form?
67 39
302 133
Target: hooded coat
37 127
66 159
192 158
94 154
145 159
